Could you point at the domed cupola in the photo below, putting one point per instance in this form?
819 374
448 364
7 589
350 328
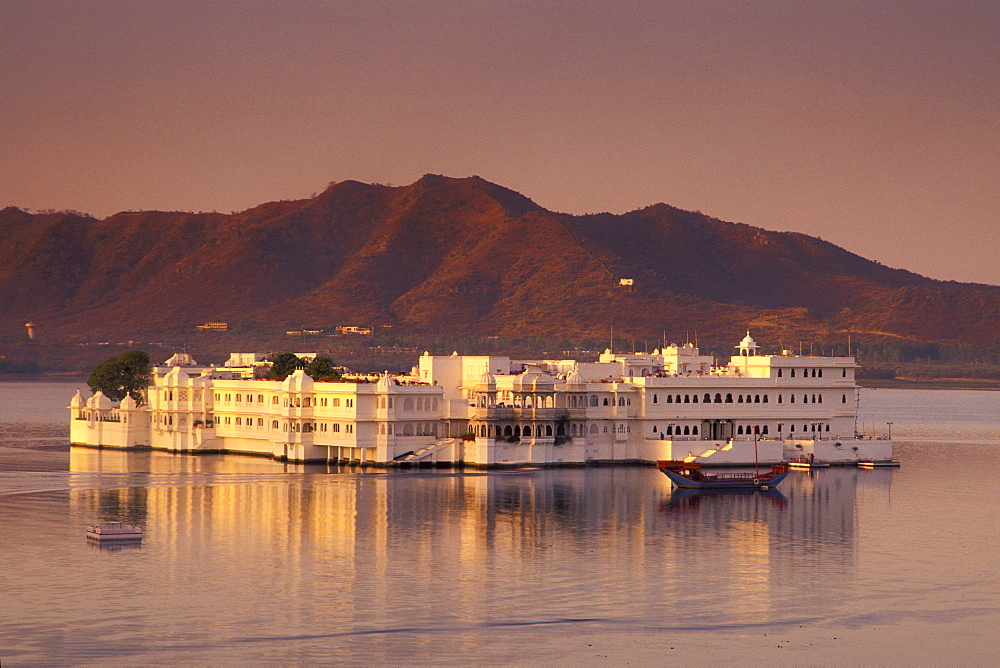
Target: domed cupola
574 377
748 347
128 403
488 379
384 383
77 401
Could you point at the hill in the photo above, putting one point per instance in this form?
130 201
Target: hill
463 256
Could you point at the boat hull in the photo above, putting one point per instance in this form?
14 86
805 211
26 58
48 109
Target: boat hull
763 481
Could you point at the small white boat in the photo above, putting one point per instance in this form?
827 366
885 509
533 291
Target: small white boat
877 463
114 531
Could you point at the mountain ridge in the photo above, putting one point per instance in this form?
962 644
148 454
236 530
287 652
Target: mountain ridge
462 255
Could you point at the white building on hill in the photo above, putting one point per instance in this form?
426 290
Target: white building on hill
490 410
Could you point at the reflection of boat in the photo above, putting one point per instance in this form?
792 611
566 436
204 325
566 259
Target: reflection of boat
690 498
690 475
808 463
113 531
876 463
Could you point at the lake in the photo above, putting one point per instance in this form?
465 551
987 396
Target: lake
247 560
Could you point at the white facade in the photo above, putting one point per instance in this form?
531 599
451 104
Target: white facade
490 410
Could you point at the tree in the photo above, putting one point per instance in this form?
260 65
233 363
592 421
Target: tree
125 374
283 364
322 367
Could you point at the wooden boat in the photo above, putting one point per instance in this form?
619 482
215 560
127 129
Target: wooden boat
114 531
877 463
691 476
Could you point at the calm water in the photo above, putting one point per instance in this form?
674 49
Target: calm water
247 560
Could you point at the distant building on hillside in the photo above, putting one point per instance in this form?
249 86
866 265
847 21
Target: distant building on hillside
214 327
350 329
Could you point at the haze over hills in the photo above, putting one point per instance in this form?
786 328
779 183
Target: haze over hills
463 256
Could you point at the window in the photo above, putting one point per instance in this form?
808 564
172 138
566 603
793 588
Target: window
593 429
350 429
843 399
239 398
670 398
694 398
779 398
793 373
336 428
336 403
605 401
274 401
729 398
687 398
779 373
687 431
260 398
843 373
791 398
593 400
764 430
820 373
694 431
654 398
621 401
718 397
260 422
756 398
238 420
274 424
739 430
765 399
739 399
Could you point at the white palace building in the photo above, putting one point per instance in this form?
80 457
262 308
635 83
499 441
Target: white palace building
494 411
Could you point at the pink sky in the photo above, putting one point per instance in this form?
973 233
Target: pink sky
874 125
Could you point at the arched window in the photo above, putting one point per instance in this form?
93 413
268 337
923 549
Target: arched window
260 398
694 431
707 398
507 431
739 399
793 373
654 399
820 374
336 403
729 398
548 430
298 402
238 421
718 397
527 401
843 373
654 428
820 398
605 401
779 398
694 398
765 398
593 400
764 430
687 431
517 430
239 398
274 424
407 429
670 398
756 398
687 398
274 401
791 398
828 427
843 399
621 401
678 400
739 430
260 422
779 373
670 430
407 404
805 398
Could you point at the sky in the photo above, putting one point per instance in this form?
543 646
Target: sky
872 124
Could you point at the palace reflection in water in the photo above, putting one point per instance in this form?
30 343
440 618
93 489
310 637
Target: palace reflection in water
474 545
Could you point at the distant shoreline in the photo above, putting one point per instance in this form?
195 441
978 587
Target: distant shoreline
930 384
